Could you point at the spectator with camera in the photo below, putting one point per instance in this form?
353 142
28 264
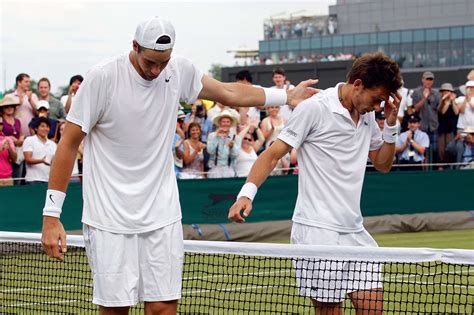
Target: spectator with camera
461 150
178 146
249 146
412 144
27 108
198 115
447 117
466 108
222 146
74 84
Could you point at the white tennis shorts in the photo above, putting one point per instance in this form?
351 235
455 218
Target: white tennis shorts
132 268
329 281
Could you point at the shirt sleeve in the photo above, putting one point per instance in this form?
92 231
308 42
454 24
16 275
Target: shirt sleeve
424 140
90 100
190 80
28 145
302 121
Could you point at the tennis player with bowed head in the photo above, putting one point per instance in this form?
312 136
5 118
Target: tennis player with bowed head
334 132
132 217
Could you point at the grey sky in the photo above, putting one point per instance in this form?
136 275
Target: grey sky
60 39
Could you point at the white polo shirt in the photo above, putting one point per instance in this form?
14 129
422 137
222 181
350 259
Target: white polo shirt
39 150
332 156
129 184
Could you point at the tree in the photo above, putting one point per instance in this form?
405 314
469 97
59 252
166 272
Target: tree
215 71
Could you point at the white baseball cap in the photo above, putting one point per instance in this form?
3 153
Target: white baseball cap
42 104
155 33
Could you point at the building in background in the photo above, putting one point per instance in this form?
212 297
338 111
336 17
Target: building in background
434 35
416 33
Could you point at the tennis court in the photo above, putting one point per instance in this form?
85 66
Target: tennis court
244 280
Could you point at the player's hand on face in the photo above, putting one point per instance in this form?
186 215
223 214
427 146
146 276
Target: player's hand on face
301 92
53 238
391 108
240 210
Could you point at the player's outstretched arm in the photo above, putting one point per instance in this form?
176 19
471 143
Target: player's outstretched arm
262 167
53 235
242 95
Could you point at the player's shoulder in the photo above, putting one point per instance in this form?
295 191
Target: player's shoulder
319 102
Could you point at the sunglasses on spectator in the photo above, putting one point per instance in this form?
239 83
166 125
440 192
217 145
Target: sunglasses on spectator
248 139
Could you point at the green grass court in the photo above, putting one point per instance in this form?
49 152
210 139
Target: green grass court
234 285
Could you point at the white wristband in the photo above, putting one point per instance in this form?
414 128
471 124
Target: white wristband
248 190
54 203
390 133
275 97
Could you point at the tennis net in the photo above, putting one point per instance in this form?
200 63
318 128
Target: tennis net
251 278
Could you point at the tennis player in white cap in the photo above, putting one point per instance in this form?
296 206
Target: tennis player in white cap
132 218
333 133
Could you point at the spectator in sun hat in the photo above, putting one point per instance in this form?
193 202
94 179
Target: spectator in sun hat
448 117
466 108
12 129
222 146
43 112
412 144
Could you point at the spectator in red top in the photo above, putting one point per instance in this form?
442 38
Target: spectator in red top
7 156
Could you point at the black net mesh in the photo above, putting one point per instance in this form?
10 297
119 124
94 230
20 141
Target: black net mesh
244 284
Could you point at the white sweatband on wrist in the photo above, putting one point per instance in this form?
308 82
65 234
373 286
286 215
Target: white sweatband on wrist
54 203
275 97
390 133
248 190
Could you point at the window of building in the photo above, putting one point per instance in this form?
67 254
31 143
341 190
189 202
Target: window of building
293 44
394 37
315 43
361 39
382 38
305 43
373 38
407 37
456 32
326 42
264 46
348 40
468 31
274 45
337 41
431 35
443 34
419 35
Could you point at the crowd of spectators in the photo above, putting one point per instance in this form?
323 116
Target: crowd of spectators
216 140
31 123
300 27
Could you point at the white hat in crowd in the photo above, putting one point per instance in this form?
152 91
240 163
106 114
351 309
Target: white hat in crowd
225 113
42 104
155 33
